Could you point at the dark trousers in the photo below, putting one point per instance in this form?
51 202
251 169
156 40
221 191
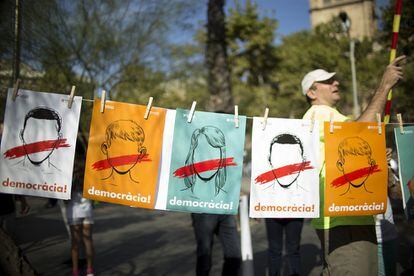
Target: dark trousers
225 227
275 229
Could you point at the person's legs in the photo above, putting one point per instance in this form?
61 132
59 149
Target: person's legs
8 224
350 250
381 265
87 240
293 230
230 241
323 236
62 207
204 227
388 257
75 231
274 228
51 202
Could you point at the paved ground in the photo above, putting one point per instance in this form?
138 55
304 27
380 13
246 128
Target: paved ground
131 241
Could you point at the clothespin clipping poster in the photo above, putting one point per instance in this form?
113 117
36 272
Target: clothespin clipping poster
149 105
103 99
379 123
266 115
400 123
15 89
191 114
236 116
71 96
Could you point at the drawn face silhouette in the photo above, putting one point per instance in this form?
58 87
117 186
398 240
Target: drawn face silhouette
354 153
119 148
352 163
203 152
283 155
39 130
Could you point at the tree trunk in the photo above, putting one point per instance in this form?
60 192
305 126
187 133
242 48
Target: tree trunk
12 260
219 82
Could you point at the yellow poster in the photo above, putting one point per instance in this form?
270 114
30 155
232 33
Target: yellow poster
123 154
356 169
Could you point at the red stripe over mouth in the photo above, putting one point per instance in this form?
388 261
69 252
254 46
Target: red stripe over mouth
119 161
282 171
40 146
204 166
338 182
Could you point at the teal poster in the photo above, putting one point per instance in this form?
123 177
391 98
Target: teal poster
206 163
405 148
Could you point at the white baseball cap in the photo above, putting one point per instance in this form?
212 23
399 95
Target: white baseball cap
313 76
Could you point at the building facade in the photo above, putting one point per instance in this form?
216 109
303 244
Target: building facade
360 12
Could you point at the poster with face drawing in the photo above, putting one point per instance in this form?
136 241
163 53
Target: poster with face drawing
206 164
405 148
123 155
284 179
356 169
38 144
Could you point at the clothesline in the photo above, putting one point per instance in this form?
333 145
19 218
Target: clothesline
251 118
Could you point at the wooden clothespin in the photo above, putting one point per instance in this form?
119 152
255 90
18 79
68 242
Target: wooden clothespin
15 89
312 121
236 116
191 114
400 123
331 123
266 115
379 123
149 105
103 99
71 96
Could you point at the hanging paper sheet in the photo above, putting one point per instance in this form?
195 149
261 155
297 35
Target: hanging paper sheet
167 141
206 163
405 148
284 179
38 144
356 169
123 154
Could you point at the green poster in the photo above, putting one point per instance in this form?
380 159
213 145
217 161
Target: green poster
405 148
206 163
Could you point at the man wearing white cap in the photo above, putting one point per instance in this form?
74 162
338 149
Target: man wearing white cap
348 243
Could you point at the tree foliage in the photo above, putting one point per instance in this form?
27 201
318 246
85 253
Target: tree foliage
402 95
253 57
94 44
125 47
251 44
218 72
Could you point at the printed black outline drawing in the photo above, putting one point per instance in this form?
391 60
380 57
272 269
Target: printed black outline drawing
354 146
286 138
42 113
215 139
135 133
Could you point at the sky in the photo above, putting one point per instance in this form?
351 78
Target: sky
292 15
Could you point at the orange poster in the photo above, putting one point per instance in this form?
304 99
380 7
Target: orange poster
123 154
356 169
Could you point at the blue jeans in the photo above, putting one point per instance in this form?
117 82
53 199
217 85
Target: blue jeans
225 227
275 229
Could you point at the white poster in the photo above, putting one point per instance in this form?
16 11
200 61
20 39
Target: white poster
38 144
164 175
285 167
